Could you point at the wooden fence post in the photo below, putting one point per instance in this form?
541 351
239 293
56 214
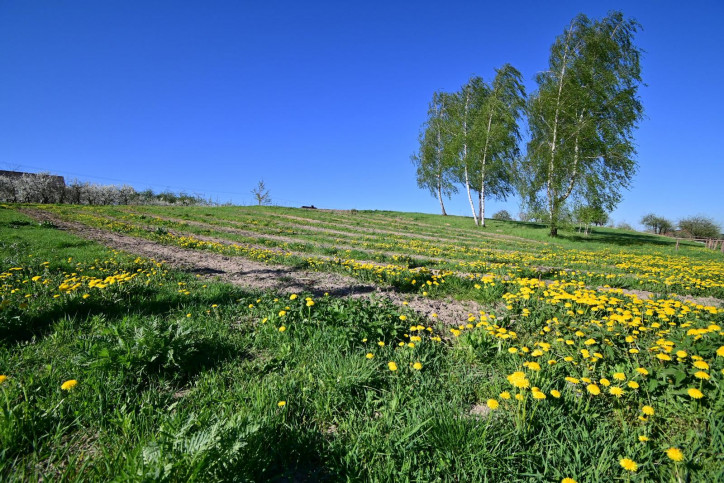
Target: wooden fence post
677 243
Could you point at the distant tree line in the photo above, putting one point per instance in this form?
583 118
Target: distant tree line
47 188
580 119
691 227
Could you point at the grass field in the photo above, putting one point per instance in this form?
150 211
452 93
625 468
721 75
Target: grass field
596 358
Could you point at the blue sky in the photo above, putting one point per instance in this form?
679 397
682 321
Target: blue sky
324 100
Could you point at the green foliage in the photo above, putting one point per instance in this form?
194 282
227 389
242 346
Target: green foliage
658 224
700 227
502 215
583 115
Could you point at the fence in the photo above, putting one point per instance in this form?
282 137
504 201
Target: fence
711 243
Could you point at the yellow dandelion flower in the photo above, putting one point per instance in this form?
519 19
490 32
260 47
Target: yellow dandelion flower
381 343
519 397
648 410
3 378
616 391
512 350
534 366
605 382
701 365
681 354
555 393
493 404
417 366
403 317
619 376
720 351
701 375
628 464
293 296
633 384
568 480
675 454
392 366
593 389
282 328
643 438
642 371
281 404
68 385
504 395
310 303
572 380
694 393
539 395
663 357
370 355
282 313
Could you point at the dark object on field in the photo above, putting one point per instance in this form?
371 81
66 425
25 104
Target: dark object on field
312 207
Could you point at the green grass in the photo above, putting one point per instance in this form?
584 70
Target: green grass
180 378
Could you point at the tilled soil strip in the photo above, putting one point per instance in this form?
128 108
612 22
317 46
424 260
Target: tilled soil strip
261 276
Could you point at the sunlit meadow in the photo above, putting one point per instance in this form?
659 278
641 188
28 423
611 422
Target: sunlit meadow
594 358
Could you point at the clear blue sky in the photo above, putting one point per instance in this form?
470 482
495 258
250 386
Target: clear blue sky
324 100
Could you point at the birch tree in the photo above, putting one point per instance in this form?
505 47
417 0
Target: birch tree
497 136
582 117
434 161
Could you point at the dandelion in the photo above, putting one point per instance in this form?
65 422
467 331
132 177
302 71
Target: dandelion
538 395
663 357
370 355
417 366
619 376
701 375
643 439
493 404
68 385
519 397
701 365
642 371
403 317
694 393
281 404
310 303
720 351
605 382
593 389
675 454
282 328
534 366
504 395
616 391
572 380
392 366
3 378
628 464
681 354
381 343
282 313
568 480
647 410
293 296
519 380
633 384
555 393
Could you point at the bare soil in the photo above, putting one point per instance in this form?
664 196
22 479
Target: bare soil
260 276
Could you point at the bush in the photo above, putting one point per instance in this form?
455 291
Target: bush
658 224
700 227
502 215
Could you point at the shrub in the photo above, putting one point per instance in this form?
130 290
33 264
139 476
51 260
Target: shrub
502 215
700 227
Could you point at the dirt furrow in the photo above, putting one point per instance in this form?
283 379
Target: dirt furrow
260 276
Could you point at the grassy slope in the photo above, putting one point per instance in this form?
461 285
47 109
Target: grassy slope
180 379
